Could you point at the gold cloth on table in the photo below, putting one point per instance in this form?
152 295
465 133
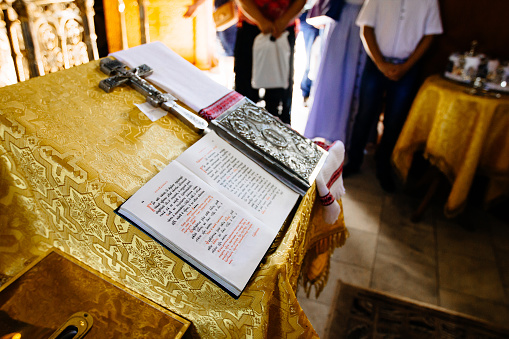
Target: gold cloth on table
70 154
461 134
324 238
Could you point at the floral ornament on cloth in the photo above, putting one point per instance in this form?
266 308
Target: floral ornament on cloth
329 182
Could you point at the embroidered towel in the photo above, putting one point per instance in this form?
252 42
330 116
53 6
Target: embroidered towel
329 182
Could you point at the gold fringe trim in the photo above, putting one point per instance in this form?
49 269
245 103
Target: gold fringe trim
319 282
331 242
326 247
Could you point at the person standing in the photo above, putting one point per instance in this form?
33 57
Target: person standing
395 35
268 17
309 33
336 93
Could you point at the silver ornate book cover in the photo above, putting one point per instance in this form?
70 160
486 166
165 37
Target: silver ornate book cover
282 151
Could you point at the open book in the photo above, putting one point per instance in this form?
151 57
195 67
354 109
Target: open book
215 208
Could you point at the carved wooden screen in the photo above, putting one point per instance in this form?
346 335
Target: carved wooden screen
8 74
45 36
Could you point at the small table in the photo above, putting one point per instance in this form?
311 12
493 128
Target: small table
462 135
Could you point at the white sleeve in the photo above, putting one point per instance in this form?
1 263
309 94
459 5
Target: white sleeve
433 21
367 14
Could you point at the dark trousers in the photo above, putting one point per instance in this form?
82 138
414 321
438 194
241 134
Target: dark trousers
274 97
226 37
377 94
310 33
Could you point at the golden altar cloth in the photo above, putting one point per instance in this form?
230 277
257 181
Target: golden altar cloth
70 154
45 297
461 134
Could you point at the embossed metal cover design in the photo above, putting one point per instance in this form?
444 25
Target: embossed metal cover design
283 150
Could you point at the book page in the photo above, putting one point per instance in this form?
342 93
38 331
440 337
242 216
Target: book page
232 173
188 216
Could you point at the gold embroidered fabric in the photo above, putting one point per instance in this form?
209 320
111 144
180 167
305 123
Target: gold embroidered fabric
324 238
460 133
51 291
70 154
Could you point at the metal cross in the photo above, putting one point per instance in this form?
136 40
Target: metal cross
121 75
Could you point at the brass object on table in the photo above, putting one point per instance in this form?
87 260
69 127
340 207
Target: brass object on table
77 325
48 298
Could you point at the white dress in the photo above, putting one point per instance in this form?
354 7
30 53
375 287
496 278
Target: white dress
337 82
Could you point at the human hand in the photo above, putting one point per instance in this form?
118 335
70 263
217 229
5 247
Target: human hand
391 71
279 28
191 9
266 26
385 68
397 72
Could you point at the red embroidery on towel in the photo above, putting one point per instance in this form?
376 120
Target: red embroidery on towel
335 176
327 199
220 106
323 145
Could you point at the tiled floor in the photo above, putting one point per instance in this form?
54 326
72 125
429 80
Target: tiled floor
436 260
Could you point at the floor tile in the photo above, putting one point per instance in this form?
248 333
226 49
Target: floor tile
364 195
476 243
350 274
365 180
470 276
401 238
359 249
360 215
403 206
317 314
405 277
353 275
476 307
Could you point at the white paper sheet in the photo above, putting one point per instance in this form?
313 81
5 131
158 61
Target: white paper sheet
153 113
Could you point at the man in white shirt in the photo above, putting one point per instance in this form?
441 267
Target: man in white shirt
395 34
